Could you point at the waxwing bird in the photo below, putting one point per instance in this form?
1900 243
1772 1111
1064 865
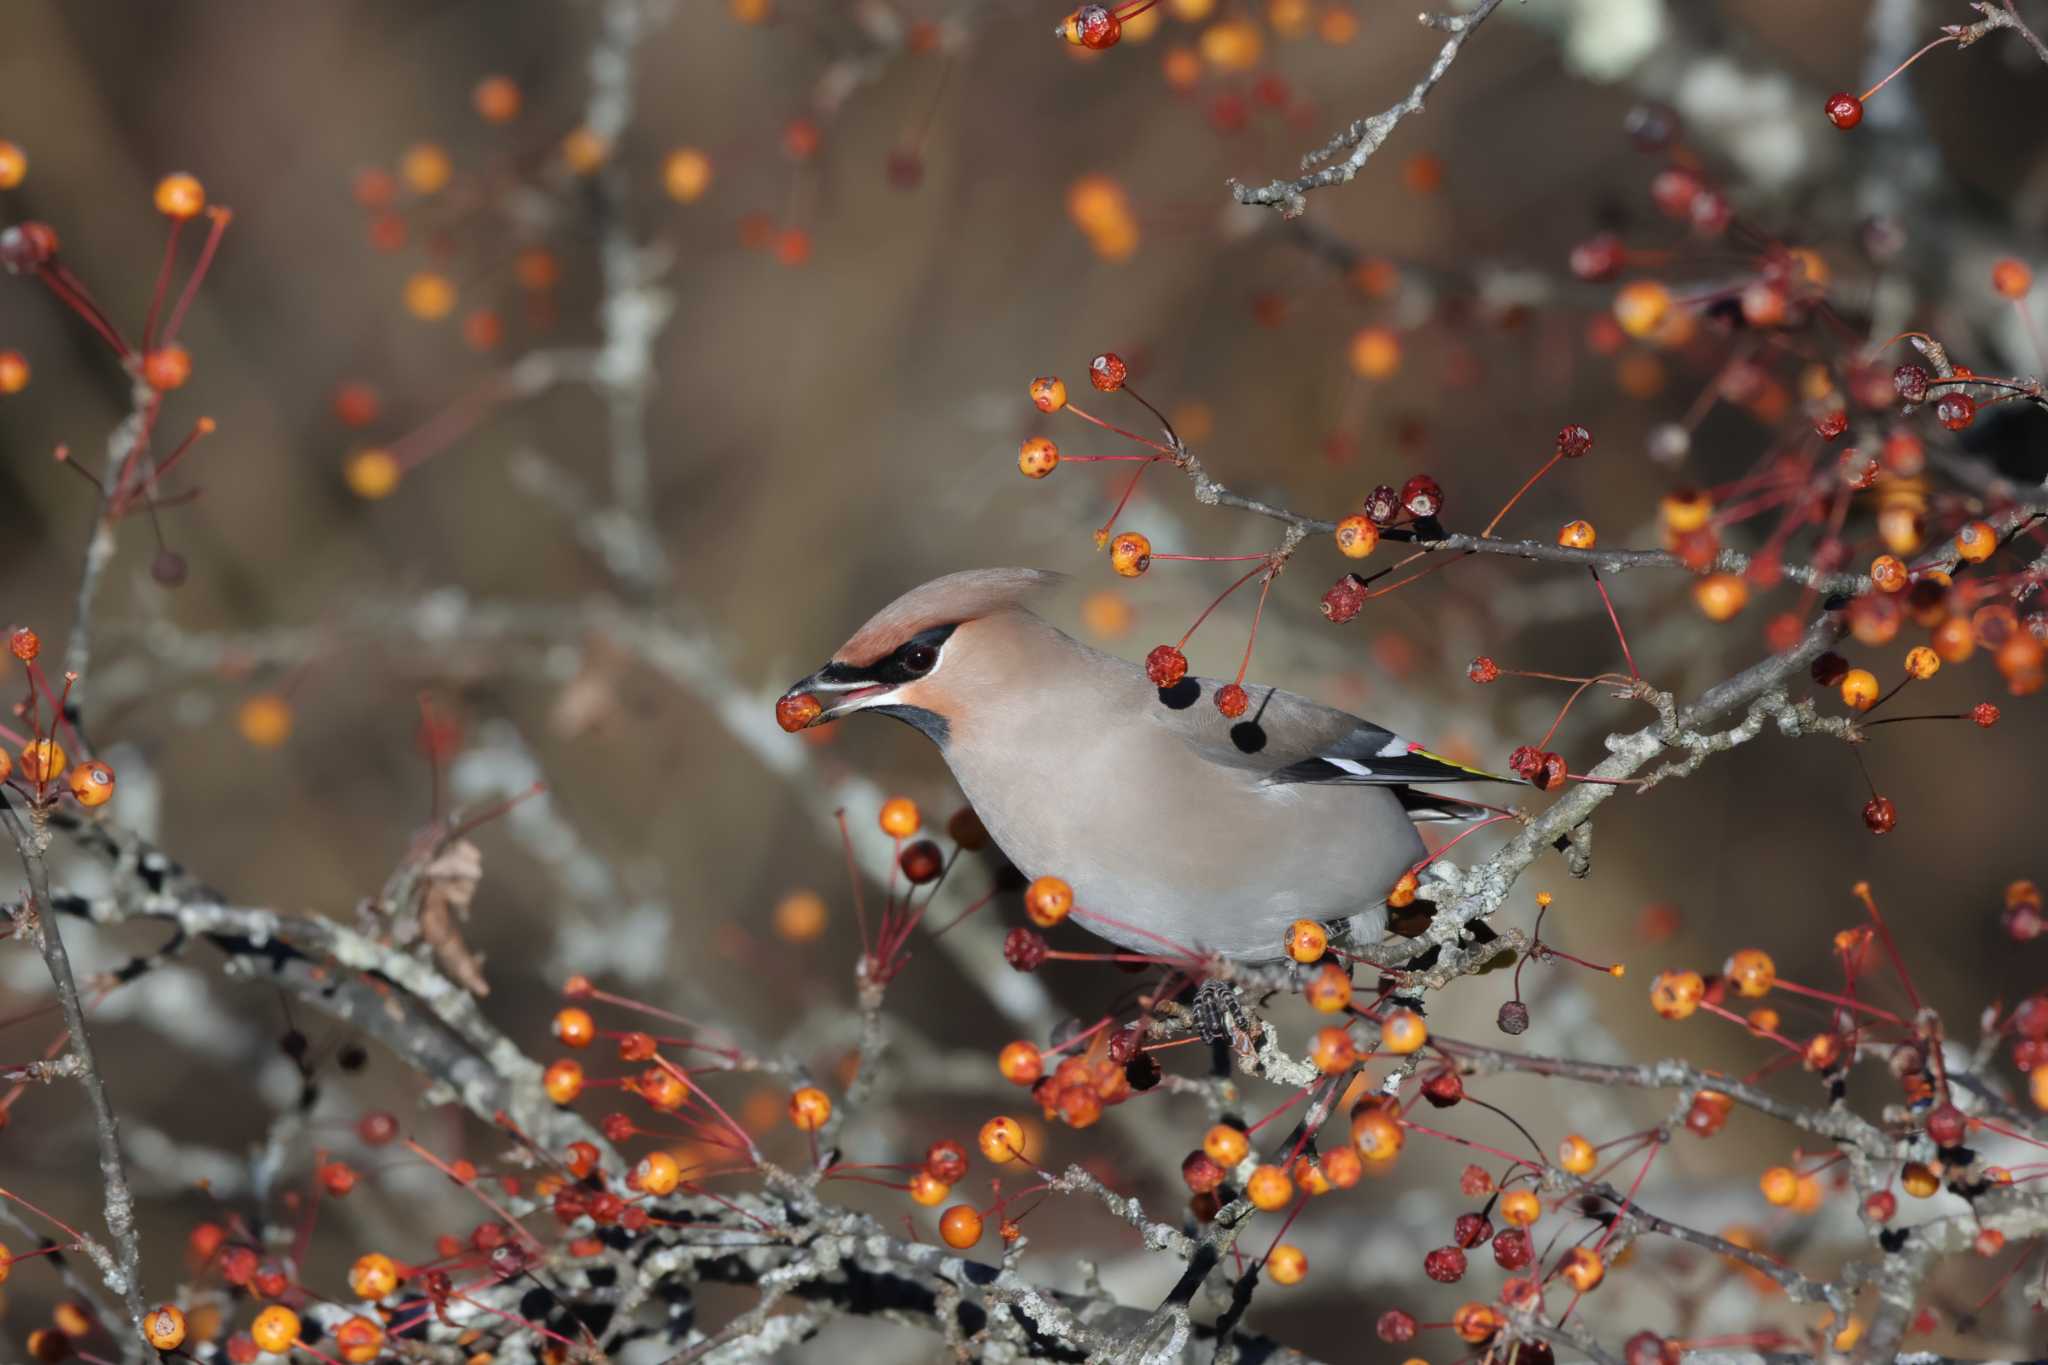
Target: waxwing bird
1171 823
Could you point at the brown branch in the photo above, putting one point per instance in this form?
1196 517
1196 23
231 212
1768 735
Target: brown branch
1365 136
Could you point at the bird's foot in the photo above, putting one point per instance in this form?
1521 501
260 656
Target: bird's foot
1220 1015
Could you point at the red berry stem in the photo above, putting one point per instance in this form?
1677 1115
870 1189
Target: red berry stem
1884 934
71 292
1265 589
163 285
1212 606
1180 956
1548 465
1945 38
1165 451
1102 532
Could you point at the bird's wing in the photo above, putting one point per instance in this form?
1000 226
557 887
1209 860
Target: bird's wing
1288 739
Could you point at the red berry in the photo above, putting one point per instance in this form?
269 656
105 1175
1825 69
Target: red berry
1395 1327
1382 506
1513 1018
1946 1125
1512 1250
1422 496
1471 1229
1574 441
1166 665
1232 700
1845 111
1598 257
1445 1265
1096 27
1880 814
1955 410
922 862
947 1161
1910 381
1344 599
1832 425
1108 371
1985 714
1443 1087
1880 1207
1483 670
27 247
1024 949
1202 1172
1647 1348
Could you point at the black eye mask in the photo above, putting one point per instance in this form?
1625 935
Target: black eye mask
911 660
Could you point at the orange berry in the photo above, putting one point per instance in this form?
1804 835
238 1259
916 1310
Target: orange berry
1751 972
164 1327
574 1027
1676 995
1641 308
1888 572
1377 1135
371 475
1808 1196
1233 44
1020 1063
1922 662
1226 1144
1002 1139
1685 511
1584 1268
1476 1323
1403 893
809 1108
686 174
13 165
1269 1188
1375 353
92 783
14 372
1047 901
1130 554
800 917
496 99
1307 941
1576 1155
658 1173
2037 1086
1859 689
1356 536
275 1329
928 1190
1403 1032
265 720
1520 1207
167 368
584 150
1577 535
1329 990
429 297
563 1081
359 1340
899 817
960 1226
1976 541
180 196
426 168
373 1275
1037 457
2011 278
1332 1051
1048 394
1720 596
42 761
1921 1180
1780 1185
1286 1264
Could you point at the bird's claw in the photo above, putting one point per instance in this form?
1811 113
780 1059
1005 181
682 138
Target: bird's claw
1220 1015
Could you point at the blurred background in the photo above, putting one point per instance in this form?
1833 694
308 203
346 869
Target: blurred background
895 219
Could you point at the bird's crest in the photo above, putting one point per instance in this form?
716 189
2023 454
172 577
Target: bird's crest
949 601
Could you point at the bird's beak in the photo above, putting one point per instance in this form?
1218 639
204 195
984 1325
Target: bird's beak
826 695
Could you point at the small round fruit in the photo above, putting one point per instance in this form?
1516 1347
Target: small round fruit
1955 410
658 1174
1269 1188
1577 535
167 368
1020 1063
1844 110
1675 995
809 1108
1047 901
1720 596
1232 700
686 174
373 1276
2011 278
899 817
92 783
275 1329
1166 665
164 1327
1108 371
1976 542
1037 457
563 1081
960 1226
372 474
1307 941
1859 689
1227 1144
1356 536
1048 394
1403 1032
1922 662
1521 1207
1584 1269
928 1190
1576 1155
42 760
1751 972
1286 1264
1002 1139
1130 554
180 196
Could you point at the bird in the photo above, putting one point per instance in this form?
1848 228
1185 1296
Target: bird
1172 824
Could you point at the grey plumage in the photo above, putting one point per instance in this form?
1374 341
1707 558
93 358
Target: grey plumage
1173 824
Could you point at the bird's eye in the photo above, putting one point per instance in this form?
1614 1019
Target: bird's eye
920 658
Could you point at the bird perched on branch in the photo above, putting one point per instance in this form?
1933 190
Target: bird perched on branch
1172 824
